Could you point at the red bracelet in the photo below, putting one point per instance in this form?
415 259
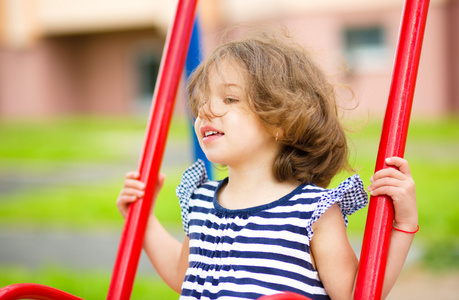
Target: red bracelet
410 232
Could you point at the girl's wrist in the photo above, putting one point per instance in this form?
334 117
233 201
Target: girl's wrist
411 229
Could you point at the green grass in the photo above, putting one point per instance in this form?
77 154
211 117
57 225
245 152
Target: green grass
43 149
79 207
77 139
40 148
85 139
85 284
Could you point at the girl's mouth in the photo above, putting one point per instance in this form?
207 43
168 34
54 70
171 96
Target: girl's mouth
209 134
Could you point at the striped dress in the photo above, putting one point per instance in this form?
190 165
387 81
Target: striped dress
263 250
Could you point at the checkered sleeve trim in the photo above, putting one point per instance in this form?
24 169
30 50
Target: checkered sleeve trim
350 195
192 179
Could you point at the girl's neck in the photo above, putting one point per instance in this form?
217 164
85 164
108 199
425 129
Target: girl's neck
251 186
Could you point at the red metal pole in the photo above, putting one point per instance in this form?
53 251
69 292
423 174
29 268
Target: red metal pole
170 74
34 291
378 228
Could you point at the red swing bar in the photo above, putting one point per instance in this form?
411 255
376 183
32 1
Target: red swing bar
170 73
380 217
34 291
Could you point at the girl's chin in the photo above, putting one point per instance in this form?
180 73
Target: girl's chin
216 159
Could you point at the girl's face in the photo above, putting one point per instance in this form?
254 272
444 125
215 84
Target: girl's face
228 131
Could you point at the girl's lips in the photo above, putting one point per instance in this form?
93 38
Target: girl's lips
210 138
209 133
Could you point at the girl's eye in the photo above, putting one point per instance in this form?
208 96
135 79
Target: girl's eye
230 100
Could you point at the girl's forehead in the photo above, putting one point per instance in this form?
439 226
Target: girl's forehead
226 73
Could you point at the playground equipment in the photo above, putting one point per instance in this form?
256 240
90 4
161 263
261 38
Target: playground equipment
380 214
170 74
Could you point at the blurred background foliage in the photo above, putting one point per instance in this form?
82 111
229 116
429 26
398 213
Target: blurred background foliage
111 146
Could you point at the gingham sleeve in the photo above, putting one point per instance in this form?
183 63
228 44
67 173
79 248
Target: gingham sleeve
192 179
350 196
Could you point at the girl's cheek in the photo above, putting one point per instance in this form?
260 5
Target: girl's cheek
197 125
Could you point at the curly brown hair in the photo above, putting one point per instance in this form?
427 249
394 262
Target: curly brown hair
294 100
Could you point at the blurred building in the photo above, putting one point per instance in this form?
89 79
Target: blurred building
60 57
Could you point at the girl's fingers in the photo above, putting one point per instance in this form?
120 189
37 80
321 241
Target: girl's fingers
123 202
399 163
385 181
132 175
387 190
379 192
126 199
389 181
134 189
132 192
390 174
161 179
401 170
134 184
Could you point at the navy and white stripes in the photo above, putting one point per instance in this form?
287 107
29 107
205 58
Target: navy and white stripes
247 253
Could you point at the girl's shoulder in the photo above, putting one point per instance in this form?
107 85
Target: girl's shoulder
349 194
350 191
193 179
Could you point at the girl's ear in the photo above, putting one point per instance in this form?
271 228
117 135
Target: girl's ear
278 133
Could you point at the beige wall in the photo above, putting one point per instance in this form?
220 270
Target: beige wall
90 74
84 71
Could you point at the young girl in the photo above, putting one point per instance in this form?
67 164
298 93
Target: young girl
268 113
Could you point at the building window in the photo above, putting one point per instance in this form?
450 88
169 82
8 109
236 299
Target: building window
366 48
147 70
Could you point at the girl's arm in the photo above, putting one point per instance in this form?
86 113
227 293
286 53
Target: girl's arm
168 256
334 258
